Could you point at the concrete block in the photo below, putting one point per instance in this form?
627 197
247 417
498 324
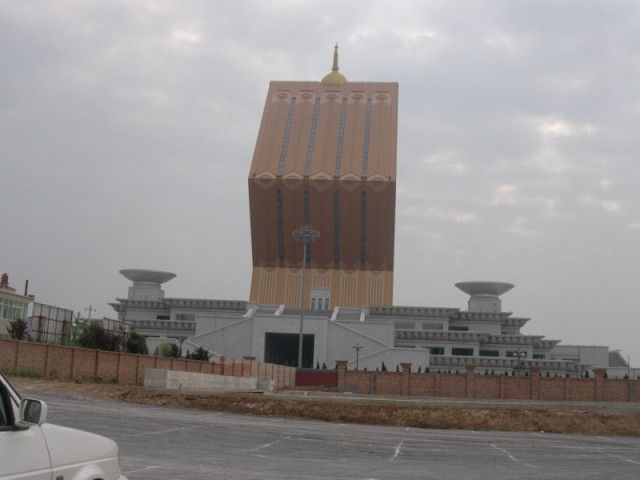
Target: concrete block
200 382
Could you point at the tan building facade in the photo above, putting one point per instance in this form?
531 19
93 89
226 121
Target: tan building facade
325 157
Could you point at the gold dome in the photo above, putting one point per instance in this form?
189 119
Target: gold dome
334 77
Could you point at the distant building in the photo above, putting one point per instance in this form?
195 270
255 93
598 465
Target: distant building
12 305
158 318
49 323
596 356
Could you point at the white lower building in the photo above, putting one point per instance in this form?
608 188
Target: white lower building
438 339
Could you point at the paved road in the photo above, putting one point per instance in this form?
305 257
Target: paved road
166 443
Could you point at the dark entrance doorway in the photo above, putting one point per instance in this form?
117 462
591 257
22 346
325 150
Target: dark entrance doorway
282 348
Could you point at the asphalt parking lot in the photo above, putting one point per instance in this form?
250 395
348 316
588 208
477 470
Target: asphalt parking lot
157 442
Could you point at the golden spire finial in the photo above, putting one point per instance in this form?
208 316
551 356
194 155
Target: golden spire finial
334 77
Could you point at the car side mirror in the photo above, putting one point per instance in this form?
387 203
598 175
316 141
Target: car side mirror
32 412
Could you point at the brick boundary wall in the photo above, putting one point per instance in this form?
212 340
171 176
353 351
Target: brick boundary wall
470 385
78 364
314 379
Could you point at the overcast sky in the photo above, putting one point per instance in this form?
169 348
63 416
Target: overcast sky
127 131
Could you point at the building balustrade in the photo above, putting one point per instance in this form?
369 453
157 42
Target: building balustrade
504 362
164 325
438 335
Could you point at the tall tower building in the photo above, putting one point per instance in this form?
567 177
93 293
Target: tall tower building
325 157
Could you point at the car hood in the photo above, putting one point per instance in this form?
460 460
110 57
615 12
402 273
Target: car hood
68 445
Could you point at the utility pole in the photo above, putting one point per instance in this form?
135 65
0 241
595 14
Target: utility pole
629 377
90 309
306 235
357 347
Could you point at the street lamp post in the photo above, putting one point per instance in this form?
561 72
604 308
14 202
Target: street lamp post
357 347
306 235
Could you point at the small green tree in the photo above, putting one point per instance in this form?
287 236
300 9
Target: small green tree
169 350
384 367
137 343
17 329
199 353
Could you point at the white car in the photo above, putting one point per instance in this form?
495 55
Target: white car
34 450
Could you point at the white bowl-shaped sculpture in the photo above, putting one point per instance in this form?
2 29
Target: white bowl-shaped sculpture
147 276
485 288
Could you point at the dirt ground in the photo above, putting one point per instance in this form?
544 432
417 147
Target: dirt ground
496 417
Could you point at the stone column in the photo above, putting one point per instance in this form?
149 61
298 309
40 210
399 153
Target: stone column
599 383
535 383
341 366
406 375
469 381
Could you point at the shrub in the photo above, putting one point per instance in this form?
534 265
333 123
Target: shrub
200 353
17 329
384 367
137 343
166 349
93 335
